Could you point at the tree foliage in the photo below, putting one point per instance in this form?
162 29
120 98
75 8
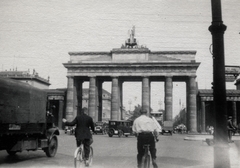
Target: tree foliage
136 112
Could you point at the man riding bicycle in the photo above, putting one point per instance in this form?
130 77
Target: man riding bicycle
82 132
146 130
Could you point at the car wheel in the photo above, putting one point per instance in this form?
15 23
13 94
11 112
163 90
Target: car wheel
110 133
120 133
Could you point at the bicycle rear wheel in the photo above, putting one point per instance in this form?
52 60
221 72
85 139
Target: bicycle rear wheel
146 161
90 157
79 158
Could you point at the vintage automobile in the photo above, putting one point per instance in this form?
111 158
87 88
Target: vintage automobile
70 130
120 128
167 127
100 127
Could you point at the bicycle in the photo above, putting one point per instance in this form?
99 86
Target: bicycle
79 157
146 156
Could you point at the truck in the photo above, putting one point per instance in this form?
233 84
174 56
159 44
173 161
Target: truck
26 122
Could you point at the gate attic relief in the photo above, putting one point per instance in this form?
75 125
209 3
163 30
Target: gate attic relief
132 55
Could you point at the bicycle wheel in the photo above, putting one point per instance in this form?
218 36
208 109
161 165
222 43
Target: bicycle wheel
146 161
90 157
78 158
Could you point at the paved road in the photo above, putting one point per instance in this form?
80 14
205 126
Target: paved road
173 152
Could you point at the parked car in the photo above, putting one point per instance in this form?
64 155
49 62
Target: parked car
120 128
100 127
70 130
167 127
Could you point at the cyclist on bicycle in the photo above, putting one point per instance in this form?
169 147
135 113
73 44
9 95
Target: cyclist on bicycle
82 132
147 130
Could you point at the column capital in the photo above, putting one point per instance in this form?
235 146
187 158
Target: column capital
114 76
70 77
92 76
169 76
192 76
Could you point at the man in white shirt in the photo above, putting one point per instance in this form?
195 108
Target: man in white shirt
146 128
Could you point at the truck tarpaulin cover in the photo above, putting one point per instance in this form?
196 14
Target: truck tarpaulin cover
21 103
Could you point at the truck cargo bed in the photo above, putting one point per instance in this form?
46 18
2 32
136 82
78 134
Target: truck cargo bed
21 104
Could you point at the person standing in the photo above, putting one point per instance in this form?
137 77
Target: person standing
83 135
146 129
231 129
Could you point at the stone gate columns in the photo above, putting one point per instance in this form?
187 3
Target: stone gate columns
77 94
191 105
92 98
99 107
120 100
234 114
60 114
146 94
203 117
168 98
70 99
115 99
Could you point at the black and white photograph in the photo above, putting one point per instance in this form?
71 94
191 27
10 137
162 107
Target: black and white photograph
120 84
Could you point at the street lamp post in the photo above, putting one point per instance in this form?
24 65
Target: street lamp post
221 148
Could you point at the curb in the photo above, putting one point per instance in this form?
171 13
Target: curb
204 137
198 137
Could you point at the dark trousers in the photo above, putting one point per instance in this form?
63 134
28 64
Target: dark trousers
86 143
230 133
143 139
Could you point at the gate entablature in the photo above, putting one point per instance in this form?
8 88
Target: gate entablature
132 62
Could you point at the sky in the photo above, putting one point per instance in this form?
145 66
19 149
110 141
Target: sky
39 34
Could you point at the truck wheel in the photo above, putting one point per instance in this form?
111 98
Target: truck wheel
11 152
51 150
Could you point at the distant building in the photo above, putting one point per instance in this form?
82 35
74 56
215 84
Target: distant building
24 76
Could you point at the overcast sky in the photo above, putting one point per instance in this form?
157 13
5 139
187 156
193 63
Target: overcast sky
39 34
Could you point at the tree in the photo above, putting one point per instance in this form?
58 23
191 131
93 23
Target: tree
136 112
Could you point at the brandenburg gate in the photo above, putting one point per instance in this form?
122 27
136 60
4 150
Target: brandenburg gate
130 63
